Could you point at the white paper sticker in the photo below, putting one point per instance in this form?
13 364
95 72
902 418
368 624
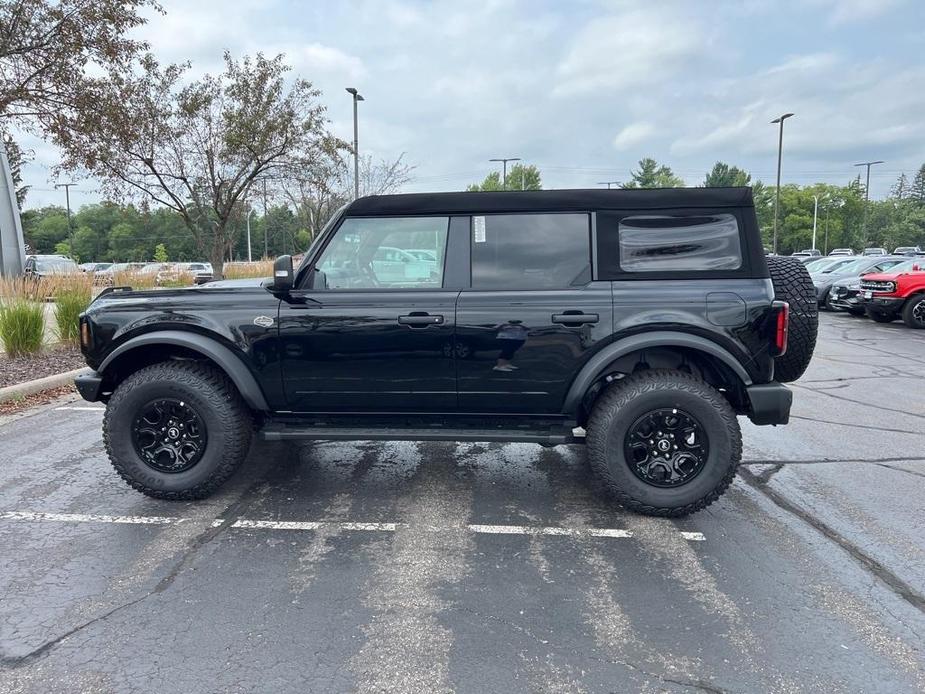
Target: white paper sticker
478 229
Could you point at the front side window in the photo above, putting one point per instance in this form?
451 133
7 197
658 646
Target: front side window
384 252
530 251
659 243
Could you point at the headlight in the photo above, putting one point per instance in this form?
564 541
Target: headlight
854 284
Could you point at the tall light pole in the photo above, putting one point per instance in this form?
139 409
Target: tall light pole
356 144
815 215
868 164
608 183
250 211
67 199
780 149
504 174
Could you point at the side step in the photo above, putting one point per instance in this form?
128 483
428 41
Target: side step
283 431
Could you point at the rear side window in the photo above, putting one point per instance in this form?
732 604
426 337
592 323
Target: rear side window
662 243
530 251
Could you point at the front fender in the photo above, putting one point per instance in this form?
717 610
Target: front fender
210 348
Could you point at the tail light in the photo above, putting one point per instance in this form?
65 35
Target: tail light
781 312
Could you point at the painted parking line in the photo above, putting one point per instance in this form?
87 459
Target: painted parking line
256 524
81 409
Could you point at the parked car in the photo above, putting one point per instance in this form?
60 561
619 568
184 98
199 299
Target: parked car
655 375
894 294
812 252
824 276
107 276
844 293
201 272
908 250
874 251
93 267
841 251
38 266
819 264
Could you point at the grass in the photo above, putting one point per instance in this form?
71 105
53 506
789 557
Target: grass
135 280
70 302
22 317
258 268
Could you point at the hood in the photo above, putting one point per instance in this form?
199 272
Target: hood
889 276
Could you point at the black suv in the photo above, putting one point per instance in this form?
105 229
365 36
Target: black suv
640 322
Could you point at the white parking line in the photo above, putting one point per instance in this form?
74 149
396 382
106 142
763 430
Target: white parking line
254 524
81 409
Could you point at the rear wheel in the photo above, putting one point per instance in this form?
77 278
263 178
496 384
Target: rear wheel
176 430
664 442
880 316
793 284
914 312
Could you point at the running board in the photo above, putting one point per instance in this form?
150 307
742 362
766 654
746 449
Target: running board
276 431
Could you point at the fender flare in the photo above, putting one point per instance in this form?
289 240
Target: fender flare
209 347
598 364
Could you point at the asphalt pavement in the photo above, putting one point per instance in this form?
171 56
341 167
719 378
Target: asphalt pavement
406 567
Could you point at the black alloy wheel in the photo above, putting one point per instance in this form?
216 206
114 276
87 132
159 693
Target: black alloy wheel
169 435
666 447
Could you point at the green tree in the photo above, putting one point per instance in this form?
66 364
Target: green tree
519 177
160 253
722 176
651 174
50 230
900 189
197 147
917 190
125 245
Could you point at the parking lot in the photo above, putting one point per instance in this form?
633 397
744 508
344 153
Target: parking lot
404 567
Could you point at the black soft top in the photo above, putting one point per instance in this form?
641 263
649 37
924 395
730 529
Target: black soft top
583 199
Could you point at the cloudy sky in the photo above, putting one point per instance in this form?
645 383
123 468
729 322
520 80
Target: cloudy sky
585 89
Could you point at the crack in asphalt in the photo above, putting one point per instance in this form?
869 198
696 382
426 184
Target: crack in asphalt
899 469
229 515
891 580
820 461
884 408
852 425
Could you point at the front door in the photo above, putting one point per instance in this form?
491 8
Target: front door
374 333
532 316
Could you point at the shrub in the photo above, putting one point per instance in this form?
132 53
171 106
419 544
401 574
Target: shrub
70 302
22 325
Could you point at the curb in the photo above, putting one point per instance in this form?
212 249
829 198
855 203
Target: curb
19 390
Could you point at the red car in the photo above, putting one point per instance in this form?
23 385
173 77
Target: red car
887 296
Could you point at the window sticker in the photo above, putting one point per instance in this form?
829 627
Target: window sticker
478 229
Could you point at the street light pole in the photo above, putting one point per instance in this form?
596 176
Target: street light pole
356 144
67 199
780 149
868 164
250 211
504 174
815 215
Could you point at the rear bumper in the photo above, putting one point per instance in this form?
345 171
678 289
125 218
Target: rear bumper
89 386
770 403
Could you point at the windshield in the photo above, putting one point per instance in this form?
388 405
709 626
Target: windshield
820 264
839 264
56 265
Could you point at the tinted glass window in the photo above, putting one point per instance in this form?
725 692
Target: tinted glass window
657 243
530 251
383 253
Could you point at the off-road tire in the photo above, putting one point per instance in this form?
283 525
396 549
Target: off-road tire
880 316
909 310
214 398
793 284
626 400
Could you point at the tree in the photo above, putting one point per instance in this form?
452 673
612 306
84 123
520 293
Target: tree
197 147
46 46
900 189
722 175
17 158
653 175
519 177
917 190
160 253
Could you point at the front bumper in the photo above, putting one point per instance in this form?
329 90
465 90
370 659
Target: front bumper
89 386
842 297
883 304
770 403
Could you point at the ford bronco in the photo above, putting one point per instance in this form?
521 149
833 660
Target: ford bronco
640 323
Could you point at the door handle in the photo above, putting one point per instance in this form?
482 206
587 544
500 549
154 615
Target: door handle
420 320
574 318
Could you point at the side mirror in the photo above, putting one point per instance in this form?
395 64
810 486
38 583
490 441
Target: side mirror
916 268
282 275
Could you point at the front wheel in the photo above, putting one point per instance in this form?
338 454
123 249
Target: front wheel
664 442
914 312
176 430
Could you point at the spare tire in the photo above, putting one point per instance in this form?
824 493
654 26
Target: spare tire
793 284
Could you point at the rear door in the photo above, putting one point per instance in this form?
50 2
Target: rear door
374 332
532 314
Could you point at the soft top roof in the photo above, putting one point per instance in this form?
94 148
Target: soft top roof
549 201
